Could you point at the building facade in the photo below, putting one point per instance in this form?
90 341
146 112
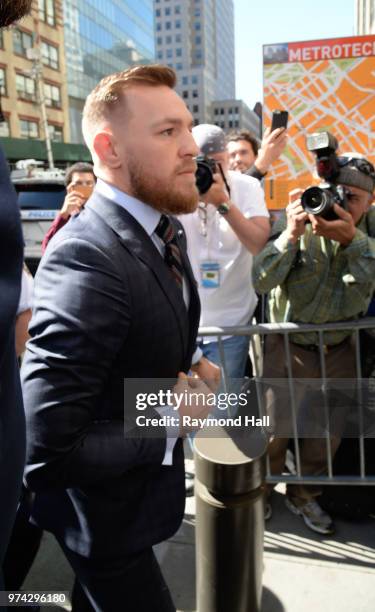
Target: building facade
234 115
102 37
43 32
196 38
365 16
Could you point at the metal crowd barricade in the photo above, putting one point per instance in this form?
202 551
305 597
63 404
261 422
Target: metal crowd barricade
286 329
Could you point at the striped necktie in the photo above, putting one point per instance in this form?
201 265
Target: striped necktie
172 257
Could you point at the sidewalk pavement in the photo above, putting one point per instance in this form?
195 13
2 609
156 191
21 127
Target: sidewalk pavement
302 570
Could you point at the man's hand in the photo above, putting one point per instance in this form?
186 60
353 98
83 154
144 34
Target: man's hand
296 216
209 372
342 229
217 193
273 144
73 203
198 391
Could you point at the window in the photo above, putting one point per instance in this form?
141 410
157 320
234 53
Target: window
185 80
195 93
179 66
198 40
168 25
52 95
221 111
158 26
47 11
177 23
177 9
56 133
197 12
198 54
168 39
178 52
169 53
185 94
194 79
50 55
236 124
216 111
195 108
21 42
159 55
197 25
178 38
157 12
159 40
3 82
29 129
25 87
167 10
4 128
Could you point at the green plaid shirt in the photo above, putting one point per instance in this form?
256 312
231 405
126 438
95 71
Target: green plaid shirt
317 280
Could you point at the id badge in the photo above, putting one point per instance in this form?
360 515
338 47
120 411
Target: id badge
210 274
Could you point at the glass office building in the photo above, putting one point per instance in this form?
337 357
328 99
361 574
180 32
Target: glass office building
101 37
196 38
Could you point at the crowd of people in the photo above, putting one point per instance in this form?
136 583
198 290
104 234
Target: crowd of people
135 262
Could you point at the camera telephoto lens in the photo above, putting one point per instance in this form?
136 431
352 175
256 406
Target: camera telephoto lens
204 173
318 202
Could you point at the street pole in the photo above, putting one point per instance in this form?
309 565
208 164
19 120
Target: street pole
34 55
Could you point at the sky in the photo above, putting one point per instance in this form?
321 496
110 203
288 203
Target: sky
259 22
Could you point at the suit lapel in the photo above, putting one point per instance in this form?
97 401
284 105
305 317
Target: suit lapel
138 242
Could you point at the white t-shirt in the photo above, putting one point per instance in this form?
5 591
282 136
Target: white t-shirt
27 290
234 301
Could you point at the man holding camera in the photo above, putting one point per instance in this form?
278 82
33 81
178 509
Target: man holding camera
316 270
229 227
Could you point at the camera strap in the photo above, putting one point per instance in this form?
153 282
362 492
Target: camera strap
224 179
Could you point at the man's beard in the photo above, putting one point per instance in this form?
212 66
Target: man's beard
13 10
160 196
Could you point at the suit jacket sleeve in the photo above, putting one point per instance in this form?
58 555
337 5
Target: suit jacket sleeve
10 257
80 322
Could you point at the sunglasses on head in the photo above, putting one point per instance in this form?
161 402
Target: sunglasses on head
361 164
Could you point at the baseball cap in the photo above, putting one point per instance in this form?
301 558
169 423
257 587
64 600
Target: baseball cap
356 171
209 138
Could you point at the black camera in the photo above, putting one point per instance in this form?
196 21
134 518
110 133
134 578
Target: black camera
319 201
206 168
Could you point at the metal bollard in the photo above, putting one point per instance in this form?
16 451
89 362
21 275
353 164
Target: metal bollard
230 475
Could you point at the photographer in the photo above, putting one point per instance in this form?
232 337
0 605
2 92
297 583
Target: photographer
317 270
229 227
80 182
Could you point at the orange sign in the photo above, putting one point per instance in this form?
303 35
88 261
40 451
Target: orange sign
325 85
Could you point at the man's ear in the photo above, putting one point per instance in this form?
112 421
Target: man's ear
105 148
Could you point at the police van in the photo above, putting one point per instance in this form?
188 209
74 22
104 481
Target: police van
41 194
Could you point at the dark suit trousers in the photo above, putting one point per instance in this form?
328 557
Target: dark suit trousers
126 584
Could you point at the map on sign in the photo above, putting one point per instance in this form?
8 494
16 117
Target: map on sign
325 85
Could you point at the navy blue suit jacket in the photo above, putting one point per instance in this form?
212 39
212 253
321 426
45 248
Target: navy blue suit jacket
106 308
12 426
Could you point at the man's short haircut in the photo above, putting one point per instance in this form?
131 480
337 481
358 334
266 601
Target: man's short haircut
78 167
245 135
109 94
